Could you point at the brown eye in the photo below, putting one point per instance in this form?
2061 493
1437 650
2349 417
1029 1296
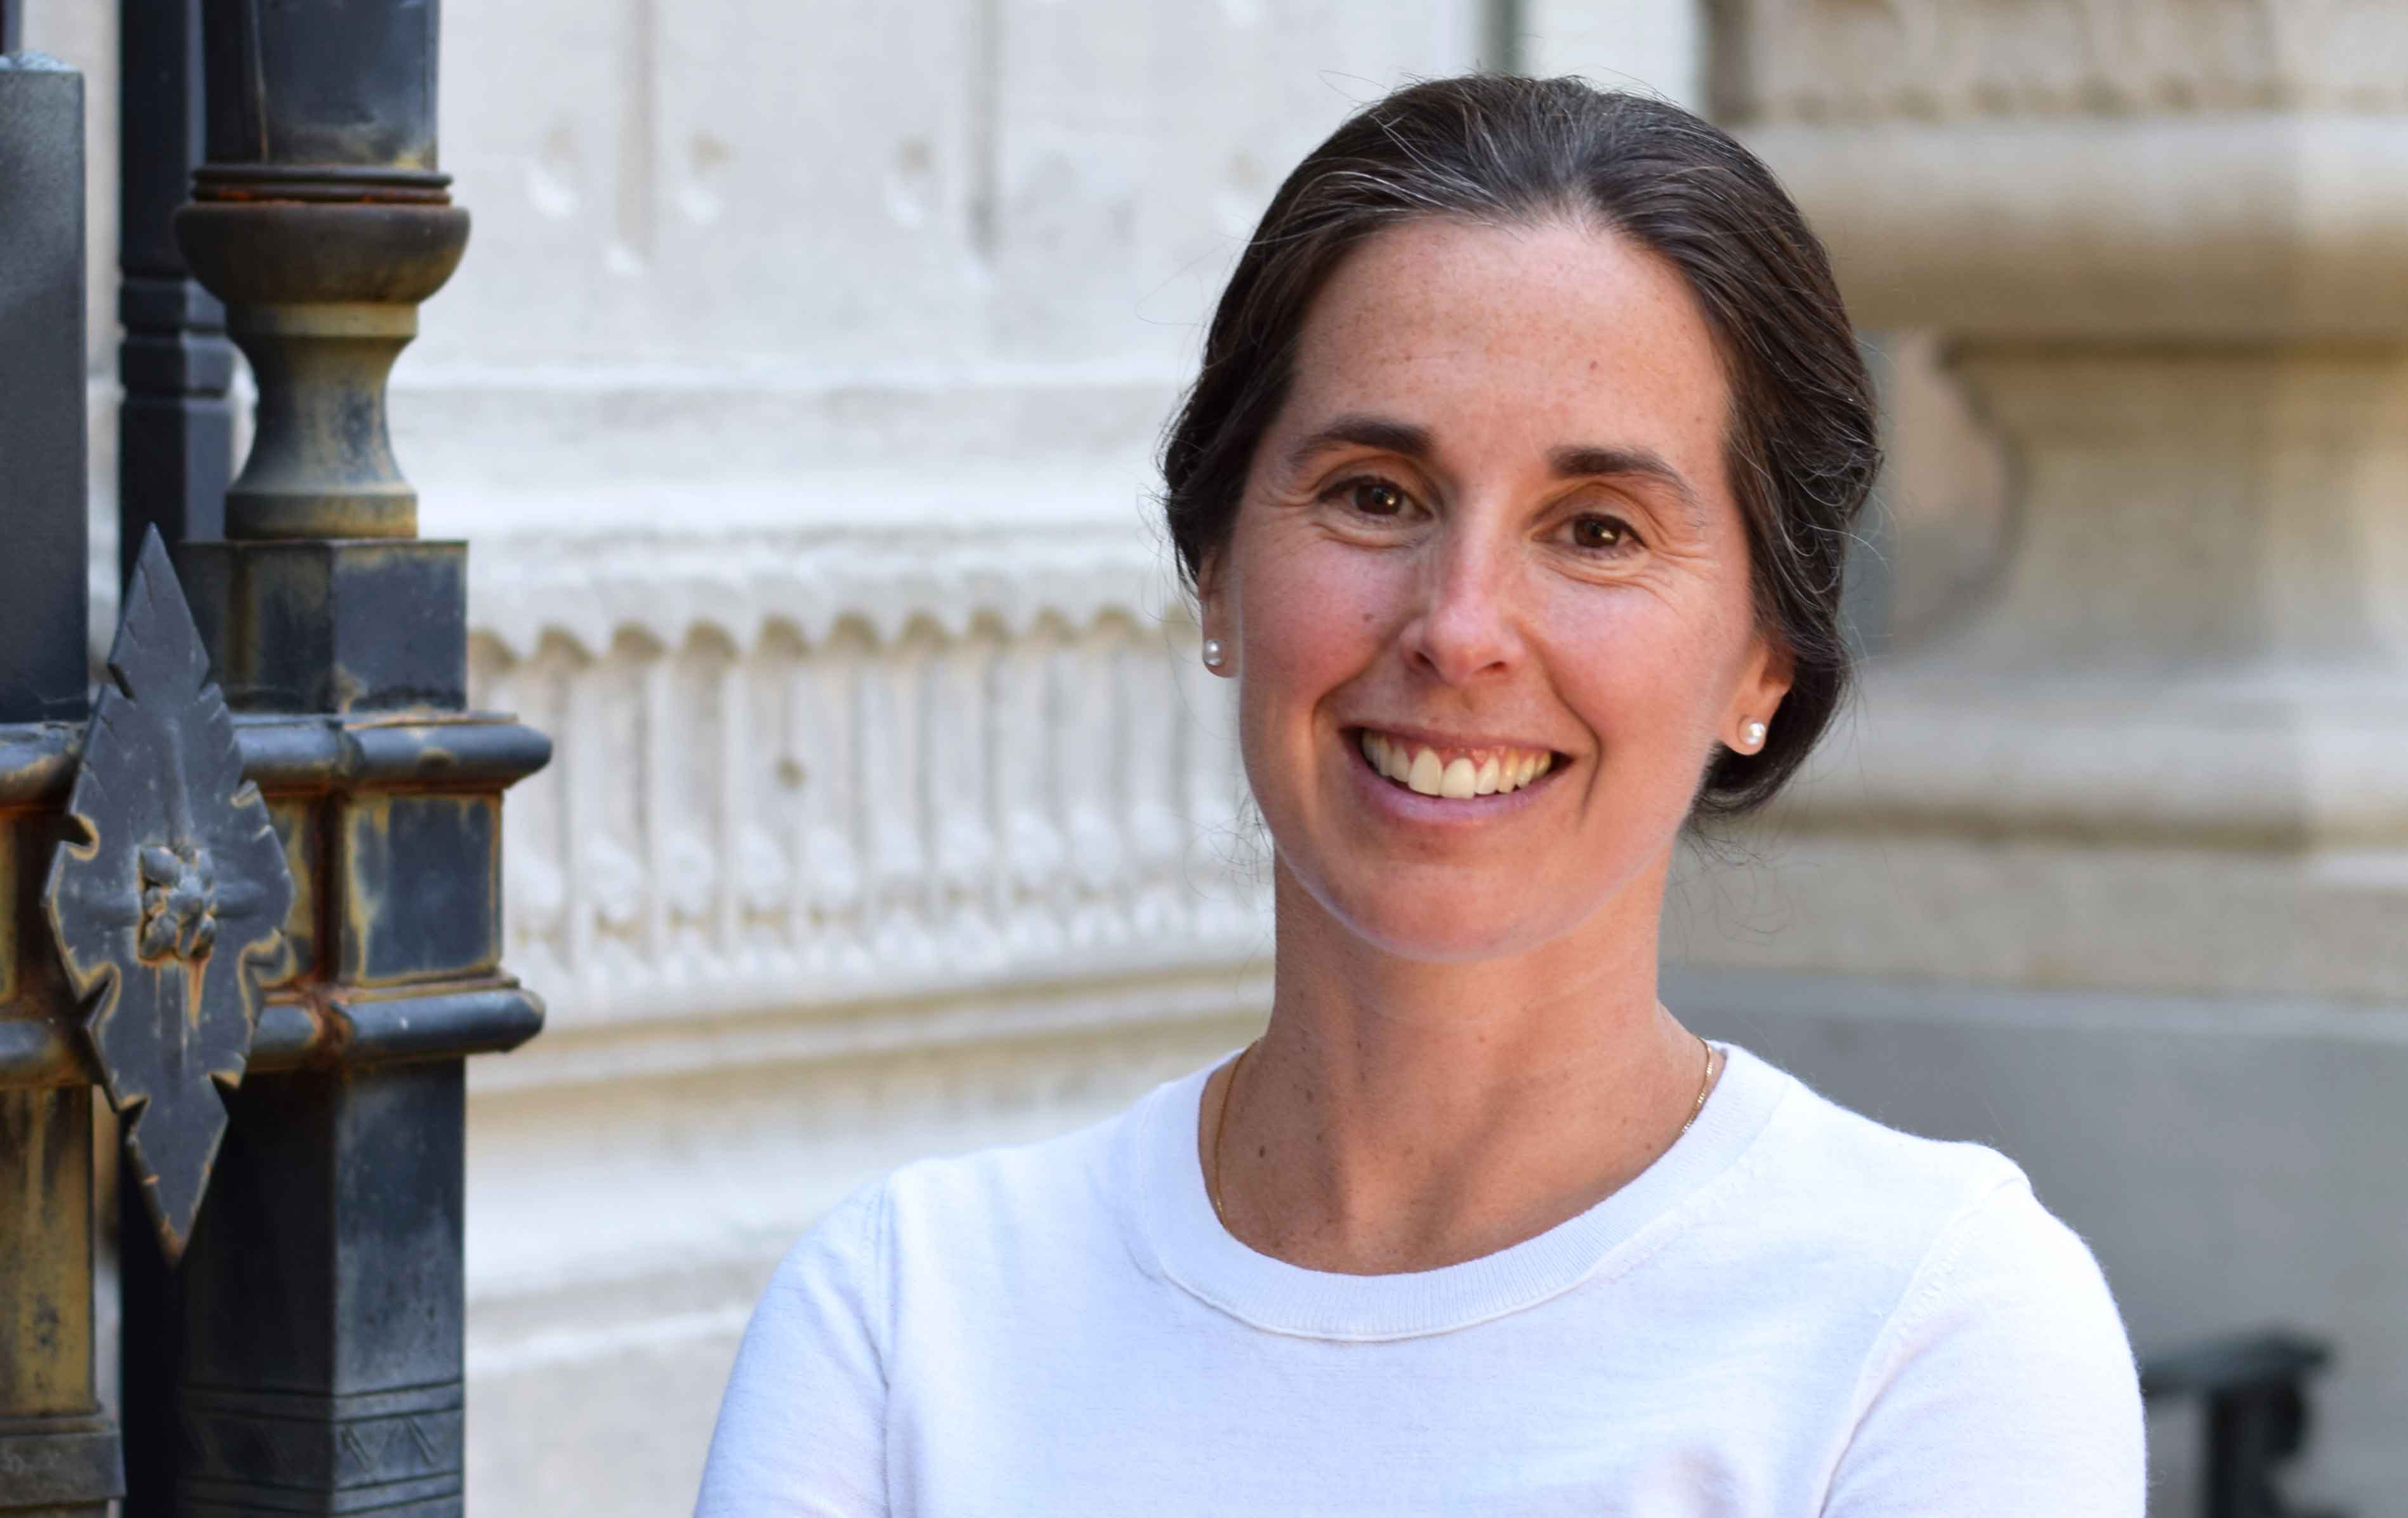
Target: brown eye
1377 498
1604 533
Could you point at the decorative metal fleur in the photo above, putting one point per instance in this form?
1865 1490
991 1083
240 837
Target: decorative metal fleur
179 909
178 884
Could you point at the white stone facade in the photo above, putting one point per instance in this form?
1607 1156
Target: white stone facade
799 398
2115 854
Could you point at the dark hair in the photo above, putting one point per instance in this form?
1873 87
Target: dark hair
1800 441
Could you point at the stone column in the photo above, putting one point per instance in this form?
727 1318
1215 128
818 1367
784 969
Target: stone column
2115 873
2177 284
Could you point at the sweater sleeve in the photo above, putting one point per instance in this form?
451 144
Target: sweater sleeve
2002 1385
802 1429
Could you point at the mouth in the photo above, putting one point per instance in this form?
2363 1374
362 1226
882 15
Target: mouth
1450 771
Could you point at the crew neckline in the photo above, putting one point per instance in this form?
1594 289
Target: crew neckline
1174 1215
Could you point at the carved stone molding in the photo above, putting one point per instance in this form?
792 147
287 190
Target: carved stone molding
1857 60
2069 170
797 772
591 589
2266 228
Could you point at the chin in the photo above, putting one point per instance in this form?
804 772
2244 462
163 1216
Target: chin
1431 926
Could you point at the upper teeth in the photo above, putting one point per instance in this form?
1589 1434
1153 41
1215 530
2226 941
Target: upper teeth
1459 773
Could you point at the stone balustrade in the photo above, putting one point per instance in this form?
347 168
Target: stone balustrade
809 769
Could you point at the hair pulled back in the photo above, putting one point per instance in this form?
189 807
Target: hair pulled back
1800 443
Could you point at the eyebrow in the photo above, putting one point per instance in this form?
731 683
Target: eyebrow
1580 463
1574 461
1389 437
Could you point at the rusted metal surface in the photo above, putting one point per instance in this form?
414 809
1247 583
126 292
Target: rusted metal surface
312 770
313 1027
352 628
470 751
45 1257
37 762
347 85
321 221
422 888
40 1046
58 1452
317 1313
276 253
435 1021
178 884
322 298
324 1375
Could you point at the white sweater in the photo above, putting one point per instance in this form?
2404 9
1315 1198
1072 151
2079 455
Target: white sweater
1795 1311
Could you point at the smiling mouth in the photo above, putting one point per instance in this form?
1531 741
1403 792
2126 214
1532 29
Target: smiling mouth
1453 773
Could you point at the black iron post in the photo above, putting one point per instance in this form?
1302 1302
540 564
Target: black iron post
321 220
42 588
2254 1388
321 1296
175 428
174 453
58 1454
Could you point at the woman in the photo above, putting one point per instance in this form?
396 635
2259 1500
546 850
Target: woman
1515 492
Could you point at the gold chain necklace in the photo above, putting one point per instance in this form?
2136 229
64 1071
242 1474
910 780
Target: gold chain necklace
1229 1087
1220 1122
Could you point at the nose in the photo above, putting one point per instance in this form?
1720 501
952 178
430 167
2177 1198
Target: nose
1465 627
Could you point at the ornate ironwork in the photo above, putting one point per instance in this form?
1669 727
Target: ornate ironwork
178 881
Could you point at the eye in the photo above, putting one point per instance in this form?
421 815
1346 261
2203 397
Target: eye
1373 497
1603 535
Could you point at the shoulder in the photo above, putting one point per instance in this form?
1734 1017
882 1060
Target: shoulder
1946 1222
1824 1185
2000 1362
2001 1383
1854 1172
950 1225
1008 1190
834 1273
953 1222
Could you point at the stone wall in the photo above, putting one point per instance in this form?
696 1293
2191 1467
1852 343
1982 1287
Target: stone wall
2110 864
799 395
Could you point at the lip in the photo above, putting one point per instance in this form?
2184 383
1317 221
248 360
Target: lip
1432 737
1406 805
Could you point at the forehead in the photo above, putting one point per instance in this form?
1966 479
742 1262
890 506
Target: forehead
1525 337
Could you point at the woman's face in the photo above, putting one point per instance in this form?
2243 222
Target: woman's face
1490 536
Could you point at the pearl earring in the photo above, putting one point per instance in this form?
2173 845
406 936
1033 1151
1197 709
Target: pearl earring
1754 735
1214 655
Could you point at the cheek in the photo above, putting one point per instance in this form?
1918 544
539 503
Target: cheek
1312 616
1648 677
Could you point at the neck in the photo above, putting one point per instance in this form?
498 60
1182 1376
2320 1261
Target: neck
1403 1115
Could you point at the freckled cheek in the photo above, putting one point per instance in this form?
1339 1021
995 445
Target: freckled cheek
1313 620
1638 678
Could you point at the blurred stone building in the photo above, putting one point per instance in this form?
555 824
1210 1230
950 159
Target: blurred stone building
797 395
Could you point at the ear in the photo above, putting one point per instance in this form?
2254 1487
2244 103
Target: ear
1762 684
1212 600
